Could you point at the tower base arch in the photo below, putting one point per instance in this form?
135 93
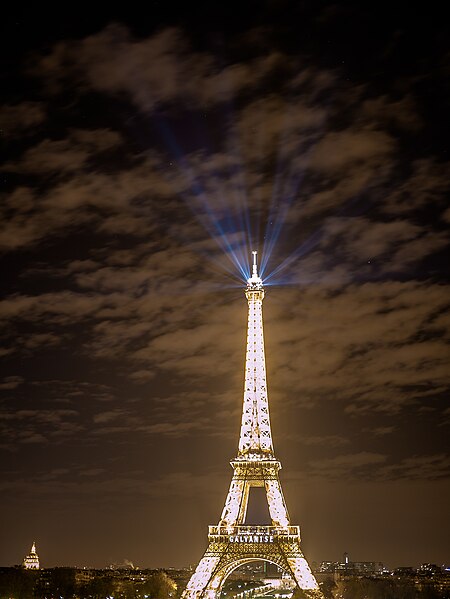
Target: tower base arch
230 548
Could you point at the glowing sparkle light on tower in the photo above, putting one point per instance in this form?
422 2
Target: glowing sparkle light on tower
232 543
31 561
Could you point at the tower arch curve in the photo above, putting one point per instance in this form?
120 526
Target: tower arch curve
235 564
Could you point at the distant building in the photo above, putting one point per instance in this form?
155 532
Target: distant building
404 571
31 561
349 567
429 570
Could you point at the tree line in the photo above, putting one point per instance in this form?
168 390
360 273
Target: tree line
66 583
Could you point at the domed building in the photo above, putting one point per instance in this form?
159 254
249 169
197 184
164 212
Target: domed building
31 561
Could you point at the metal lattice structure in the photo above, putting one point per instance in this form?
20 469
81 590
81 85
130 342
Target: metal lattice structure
231 542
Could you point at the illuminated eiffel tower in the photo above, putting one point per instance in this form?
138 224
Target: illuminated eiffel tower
231 542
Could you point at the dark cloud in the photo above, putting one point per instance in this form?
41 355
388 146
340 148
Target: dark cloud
346 149
64 155
340 465
11 382
114 62
30 426
20 118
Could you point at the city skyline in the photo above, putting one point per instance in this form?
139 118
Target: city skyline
147 154
31 561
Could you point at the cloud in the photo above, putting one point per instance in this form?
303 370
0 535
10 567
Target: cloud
112 62
425 186
273 122
363 352
11 382
366 238
446 215
108 416
94 484
37 340
79 201
29 426
403 112
419 467
392 246
62 306
92 471
28 437
323 440
383 430
21 118
346 464
346 149
142 376
64 155
71 391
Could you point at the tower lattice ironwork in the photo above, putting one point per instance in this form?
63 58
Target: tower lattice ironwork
231 542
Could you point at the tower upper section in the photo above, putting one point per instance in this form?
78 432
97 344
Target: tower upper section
255 440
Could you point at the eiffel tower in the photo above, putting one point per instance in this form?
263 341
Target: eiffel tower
231 542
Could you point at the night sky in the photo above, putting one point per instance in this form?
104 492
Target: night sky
145 154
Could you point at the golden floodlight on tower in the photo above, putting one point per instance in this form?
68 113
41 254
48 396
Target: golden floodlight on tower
232 543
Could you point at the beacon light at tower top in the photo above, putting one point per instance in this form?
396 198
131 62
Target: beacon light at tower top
255 281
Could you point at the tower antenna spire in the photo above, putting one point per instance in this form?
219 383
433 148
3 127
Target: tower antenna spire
255 265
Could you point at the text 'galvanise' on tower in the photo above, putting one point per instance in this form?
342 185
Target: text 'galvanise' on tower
232 543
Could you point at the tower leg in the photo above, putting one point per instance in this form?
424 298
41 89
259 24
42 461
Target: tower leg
304 578
196 587
235 504
277 506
